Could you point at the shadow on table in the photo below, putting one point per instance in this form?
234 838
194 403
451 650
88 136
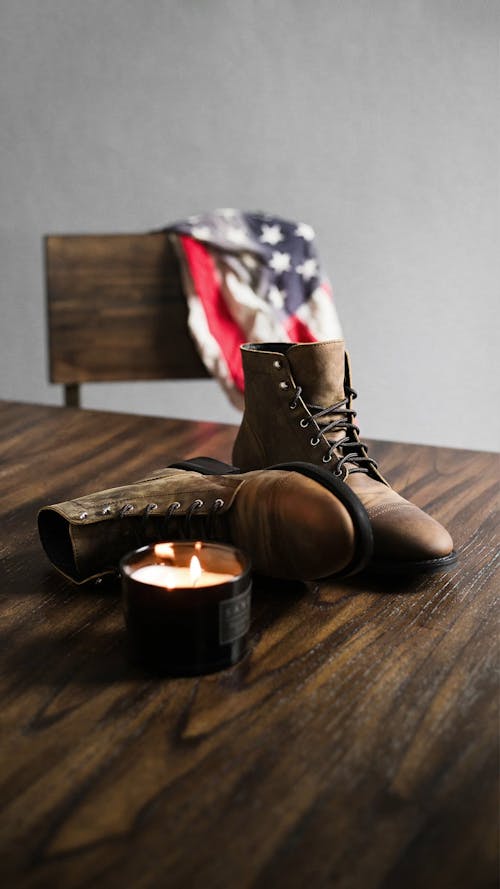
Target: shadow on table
87 646
386 584
84 647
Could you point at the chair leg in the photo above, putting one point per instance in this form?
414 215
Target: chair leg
72 395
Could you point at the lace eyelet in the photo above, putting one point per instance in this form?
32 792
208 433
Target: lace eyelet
197 504
126 509
314 442
83 515
106 510
218 504
284 385
174 506
151 507
277 364
304 423
340 473
327 458
292 405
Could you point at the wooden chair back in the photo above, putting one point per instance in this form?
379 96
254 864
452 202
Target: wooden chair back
116 311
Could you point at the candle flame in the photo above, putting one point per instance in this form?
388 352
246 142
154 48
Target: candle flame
164 550
195 569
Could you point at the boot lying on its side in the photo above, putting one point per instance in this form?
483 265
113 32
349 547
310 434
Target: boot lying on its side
290 524
298 406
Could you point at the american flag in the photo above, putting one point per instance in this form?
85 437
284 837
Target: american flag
250 277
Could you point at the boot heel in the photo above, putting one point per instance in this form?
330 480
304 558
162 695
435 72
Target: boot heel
206 465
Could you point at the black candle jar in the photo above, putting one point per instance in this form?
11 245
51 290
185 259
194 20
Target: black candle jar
180 624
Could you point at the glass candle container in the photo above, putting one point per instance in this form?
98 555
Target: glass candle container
187 605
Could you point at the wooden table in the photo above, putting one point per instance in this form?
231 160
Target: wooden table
355 747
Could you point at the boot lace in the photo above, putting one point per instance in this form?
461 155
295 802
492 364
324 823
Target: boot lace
352 451
192 524
189 526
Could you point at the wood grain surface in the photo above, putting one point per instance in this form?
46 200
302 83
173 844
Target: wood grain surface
355 747
117 310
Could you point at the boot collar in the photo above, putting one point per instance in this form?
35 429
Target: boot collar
319 368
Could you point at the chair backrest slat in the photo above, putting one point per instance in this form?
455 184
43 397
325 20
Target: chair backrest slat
116 310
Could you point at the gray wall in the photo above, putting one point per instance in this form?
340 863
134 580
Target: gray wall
375 120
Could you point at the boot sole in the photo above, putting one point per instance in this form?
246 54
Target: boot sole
426 566
363 535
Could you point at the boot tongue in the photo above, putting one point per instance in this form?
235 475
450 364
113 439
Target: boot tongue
319 369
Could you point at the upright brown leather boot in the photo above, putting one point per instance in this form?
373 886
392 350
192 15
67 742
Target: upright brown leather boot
298 406
290 524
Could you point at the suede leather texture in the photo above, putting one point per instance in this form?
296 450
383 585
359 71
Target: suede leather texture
290 526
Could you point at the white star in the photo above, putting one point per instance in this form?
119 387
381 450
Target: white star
276 297
305 231
271 234
201 232
236 235
308 269
280 262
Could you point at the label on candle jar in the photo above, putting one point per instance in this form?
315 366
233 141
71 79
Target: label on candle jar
234 617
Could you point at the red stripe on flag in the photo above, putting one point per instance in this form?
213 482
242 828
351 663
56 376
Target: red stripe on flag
222 326
298 331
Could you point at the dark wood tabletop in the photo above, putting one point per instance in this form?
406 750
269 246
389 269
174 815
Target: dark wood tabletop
356 745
